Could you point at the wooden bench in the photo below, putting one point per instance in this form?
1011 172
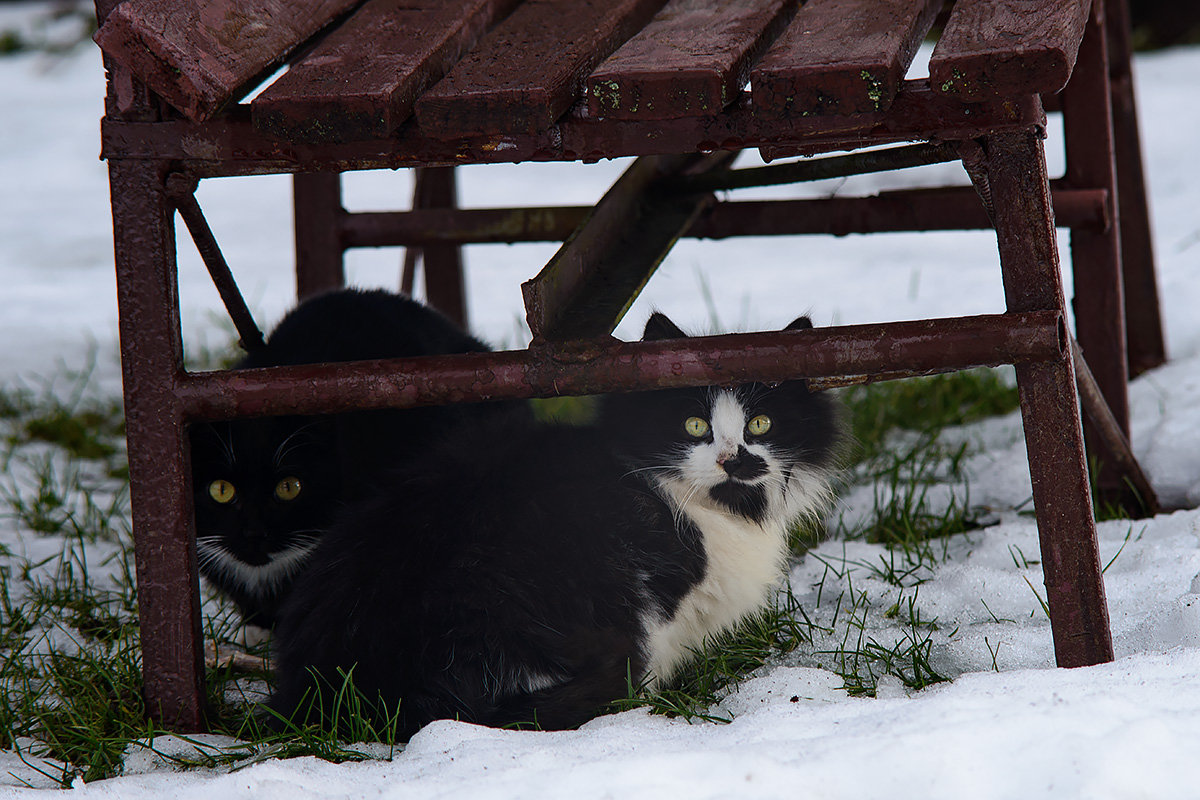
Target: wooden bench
430 84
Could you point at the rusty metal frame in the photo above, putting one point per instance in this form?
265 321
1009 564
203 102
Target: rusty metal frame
998 141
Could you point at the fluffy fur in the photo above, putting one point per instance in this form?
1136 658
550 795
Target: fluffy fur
253 539
524 574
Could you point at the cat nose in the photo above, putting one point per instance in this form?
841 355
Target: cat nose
742 464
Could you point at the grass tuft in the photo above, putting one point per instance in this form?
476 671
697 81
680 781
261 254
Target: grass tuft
925 406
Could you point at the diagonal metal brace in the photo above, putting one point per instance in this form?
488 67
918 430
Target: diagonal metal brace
1109 432
181 189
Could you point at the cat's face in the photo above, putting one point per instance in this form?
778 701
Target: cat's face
754 450
265 490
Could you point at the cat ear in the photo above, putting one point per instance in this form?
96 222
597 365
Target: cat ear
799 324
659 327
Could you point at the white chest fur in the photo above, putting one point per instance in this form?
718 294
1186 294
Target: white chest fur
745 564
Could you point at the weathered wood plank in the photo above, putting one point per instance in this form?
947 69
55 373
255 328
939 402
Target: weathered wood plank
199 56
693 58
528 71
1004 48
589 284
363 79
841 56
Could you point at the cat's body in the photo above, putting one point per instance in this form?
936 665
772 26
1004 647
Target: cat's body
526 575
267 489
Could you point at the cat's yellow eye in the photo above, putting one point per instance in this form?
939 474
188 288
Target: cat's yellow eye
759 425
221 491
288 488
695 426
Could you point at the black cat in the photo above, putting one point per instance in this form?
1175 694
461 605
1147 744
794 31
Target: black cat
267 489
524 575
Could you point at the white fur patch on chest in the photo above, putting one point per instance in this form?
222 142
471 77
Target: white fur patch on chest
745 563
258 581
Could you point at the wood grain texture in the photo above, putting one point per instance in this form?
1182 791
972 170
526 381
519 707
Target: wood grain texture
841 56
1005 48
199 56
530 69
693 58
364 78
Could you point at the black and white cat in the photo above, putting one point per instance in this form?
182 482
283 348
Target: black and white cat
520 574
266 489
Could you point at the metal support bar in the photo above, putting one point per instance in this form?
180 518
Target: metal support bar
159 478
318 210
606 365
949 208
1099 283
892 158
1143 320
181 191
231 145
443 267
1108 431
1049 405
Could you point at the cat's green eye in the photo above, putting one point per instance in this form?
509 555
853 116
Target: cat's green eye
695 426
759 425
221 491
288 488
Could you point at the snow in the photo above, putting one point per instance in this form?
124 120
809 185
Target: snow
1008 725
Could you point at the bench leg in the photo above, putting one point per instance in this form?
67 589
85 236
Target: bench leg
444 283
1097 255
1049 405
318 209
160 494
1143 319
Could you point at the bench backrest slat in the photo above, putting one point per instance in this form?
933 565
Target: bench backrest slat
693 58
200 55
841 56
529 70
1001 48
362 80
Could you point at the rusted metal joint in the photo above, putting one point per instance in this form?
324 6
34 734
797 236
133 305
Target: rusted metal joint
548 358
181 186
974 161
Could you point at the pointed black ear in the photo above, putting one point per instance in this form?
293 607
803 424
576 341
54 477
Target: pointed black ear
659 327
799 324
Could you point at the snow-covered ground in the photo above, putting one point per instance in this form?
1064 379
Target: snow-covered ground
1008 725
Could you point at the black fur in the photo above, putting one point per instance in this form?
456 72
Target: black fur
508 578
335 458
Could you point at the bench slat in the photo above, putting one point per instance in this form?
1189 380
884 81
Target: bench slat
529 70
841 56
363 79
692 59
1003 48
199 56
